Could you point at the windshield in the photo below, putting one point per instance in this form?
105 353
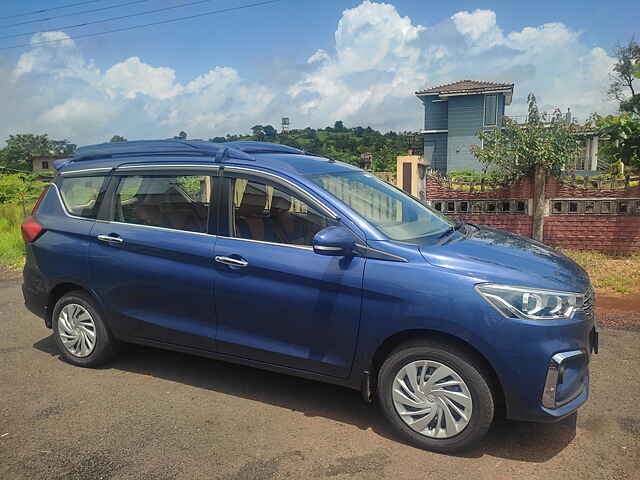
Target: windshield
389 209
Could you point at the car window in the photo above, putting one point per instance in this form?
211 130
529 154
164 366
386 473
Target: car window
267 212
390 210
80 195
179 202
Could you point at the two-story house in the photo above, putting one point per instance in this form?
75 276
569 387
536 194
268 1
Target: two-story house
453 115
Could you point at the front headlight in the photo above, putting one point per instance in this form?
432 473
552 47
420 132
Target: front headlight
531 303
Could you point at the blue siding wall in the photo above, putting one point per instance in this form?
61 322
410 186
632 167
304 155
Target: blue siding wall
435 151
465 119
501 107
435 113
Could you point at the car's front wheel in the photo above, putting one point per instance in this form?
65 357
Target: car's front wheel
435 396
80 332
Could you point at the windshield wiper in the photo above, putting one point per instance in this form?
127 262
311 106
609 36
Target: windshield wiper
457 225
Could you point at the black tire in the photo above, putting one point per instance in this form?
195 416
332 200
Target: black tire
466 366
105 346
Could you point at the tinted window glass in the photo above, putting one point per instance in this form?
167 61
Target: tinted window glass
490 109
177 202
80 195
389 209
266 212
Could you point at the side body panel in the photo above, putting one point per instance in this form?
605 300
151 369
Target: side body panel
289 306
59 255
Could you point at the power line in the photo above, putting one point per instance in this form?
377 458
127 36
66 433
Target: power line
133 27
43 10
121 17
38 20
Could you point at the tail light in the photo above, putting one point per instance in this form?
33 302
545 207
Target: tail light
31 229
37 205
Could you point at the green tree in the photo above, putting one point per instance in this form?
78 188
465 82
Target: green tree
258 132
626 71
516 150
338 126
269 131
61 147
118 138
622 138
20 148
533 149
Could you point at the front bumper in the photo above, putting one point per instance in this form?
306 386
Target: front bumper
545 371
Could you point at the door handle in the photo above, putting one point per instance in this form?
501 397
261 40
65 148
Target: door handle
234 262
110 239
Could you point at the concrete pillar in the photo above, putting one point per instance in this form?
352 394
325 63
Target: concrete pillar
411 171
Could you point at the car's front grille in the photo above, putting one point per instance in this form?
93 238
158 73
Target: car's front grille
589 303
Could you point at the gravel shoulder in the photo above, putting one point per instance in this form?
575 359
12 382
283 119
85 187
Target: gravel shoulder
161 415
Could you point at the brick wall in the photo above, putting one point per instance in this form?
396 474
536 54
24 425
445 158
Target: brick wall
558 189
609 233
437 189
574 218
520 224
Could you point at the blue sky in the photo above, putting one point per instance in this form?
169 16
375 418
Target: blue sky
311 60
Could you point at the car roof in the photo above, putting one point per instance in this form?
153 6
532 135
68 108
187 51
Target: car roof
258 154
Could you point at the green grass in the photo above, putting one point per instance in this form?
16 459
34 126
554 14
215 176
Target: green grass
11 243
616 273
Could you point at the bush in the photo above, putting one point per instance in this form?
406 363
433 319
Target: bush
19 189
11 243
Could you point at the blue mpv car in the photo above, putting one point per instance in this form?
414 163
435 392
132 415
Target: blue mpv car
272 257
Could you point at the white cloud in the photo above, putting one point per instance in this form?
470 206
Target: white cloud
132 77
480 26
378 60
376 57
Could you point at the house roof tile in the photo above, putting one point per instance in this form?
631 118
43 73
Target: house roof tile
466 86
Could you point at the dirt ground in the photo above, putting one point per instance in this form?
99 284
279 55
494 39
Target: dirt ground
160 415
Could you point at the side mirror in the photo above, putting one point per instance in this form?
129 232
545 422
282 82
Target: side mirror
334 242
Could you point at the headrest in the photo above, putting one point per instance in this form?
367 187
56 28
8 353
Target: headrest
253 201
280 203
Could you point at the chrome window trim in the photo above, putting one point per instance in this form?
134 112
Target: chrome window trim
64 207
289 183
300 247
164 165
166 229
102 169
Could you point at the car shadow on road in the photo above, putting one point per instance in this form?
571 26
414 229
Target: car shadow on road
522 441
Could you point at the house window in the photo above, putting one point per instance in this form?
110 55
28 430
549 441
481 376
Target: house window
490 109
45 165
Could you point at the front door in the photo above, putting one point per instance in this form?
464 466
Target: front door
276 300
151 260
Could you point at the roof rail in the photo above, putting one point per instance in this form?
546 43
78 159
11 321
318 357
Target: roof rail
159 147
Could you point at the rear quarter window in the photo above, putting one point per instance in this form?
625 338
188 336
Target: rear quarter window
80 195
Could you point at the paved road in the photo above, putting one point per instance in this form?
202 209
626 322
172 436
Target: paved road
161 415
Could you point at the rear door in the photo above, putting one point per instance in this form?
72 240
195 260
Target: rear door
151 255
277 301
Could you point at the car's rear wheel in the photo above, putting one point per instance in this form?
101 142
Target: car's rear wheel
80 332
436 396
